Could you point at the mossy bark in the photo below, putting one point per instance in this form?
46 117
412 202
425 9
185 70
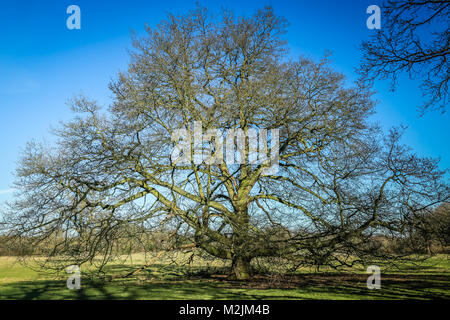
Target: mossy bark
241 268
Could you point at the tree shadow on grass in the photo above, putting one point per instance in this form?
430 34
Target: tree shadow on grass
171 282
49 290
393 286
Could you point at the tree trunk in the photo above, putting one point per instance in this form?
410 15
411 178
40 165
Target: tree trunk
240 268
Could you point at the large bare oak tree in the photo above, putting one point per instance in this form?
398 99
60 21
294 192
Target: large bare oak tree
111 174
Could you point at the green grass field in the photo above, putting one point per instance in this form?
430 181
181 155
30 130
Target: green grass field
429 280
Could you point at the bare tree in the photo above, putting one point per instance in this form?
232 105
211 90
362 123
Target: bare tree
415 39
338 179
430 229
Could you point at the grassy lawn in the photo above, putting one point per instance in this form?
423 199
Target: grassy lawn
429 280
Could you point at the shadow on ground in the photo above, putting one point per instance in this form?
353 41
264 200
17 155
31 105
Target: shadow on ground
305 286
162 281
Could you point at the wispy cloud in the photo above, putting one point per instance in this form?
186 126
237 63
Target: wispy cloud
6 191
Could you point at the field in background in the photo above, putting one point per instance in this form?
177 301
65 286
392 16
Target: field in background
207 280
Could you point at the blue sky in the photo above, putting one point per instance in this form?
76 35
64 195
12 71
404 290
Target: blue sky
43 64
